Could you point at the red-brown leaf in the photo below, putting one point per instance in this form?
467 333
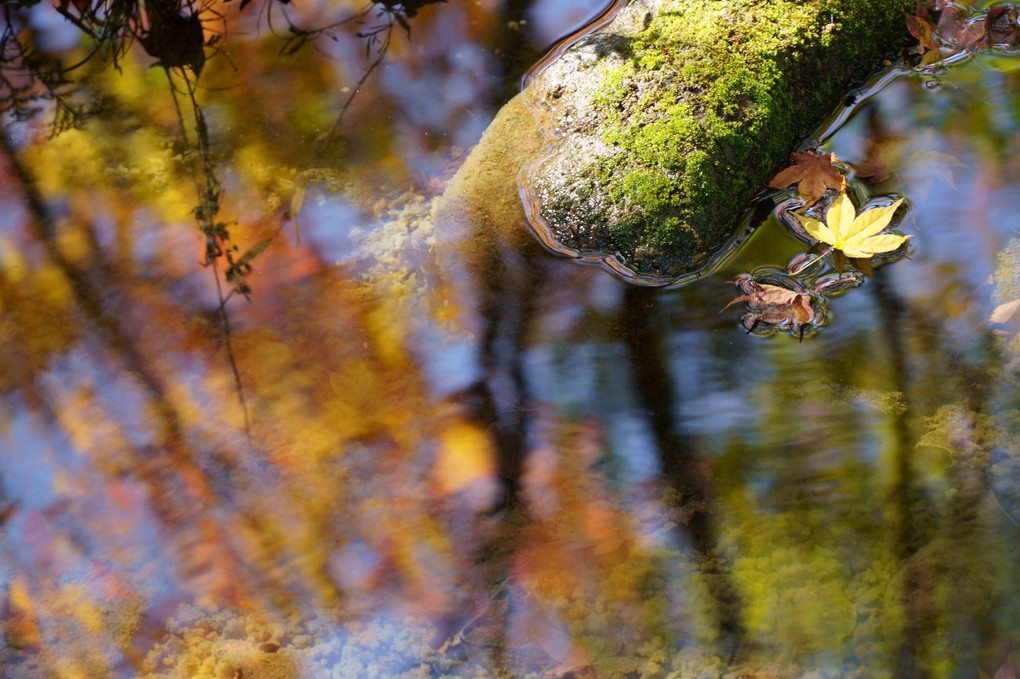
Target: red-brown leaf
813 174
1001 25
765 295
955 33
921 29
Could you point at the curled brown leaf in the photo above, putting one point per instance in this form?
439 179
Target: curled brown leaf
1001 25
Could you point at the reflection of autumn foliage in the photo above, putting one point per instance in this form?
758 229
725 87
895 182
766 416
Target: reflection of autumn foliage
153 470
361 527
590 586
35 321
339 415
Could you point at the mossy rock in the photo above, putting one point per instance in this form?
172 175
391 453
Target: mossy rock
665 123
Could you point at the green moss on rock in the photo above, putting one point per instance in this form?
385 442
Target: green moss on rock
671 118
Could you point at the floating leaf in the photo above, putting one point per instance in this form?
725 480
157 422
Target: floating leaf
764 295
813 173
1001 25
951 35
774 305
954 32
855 235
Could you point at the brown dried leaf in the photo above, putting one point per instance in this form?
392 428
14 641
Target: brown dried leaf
921 29
773 300
949 20
813 174
774 305
973 35
763 294
955 33
1001 25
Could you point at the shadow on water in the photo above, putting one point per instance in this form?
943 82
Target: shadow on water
643 334
511 287
940 585
908 531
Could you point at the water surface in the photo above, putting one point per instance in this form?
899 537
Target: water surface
392 450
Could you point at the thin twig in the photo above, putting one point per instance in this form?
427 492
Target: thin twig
381 54
1003 509
206 215
807 264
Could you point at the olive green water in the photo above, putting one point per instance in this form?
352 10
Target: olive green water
414 451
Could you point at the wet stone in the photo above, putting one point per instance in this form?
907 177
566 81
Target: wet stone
664 123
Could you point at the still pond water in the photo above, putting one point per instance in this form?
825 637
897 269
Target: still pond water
311 479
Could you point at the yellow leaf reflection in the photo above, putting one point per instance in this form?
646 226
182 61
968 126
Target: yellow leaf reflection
466 456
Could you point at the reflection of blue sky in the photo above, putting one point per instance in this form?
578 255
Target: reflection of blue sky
434 92
26 471
32 455
709 399
551 19
569 375
449 365
55 33
113 390
632 443
962 224
326 223
587 379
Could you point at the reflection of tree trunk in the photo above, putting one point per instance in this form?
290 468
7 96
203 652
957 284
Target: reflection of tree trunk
654 387
515 51
481 203
507 306
499 403
180 488
918 610
968 520
44 229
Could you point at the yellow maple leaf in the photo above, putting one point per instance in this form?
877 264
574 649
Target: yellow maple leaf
855 235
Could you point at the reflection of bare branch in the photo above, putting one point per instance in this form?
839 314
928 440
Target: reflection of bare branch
354 90
28 78
914 597
170 30
216 234
377 39
111 330
88 298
